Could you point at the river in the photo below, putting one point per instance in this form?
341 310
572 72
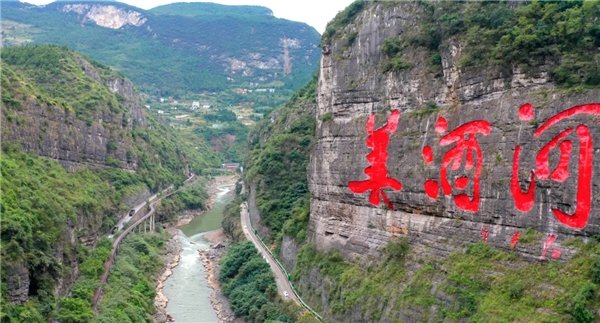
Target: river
187 288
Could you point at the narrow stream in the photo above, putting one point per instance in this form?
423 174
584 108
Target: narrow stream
187 288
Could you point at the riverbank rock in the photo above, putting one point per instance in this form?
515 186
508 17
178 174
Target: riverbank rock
173 256
210 259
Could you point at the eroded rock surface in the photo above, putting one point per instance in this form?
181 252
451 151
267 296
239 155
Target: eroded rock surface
106 15
352 86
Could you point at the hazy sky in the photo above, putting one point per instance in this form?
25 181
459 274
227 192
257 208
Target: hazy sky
313 12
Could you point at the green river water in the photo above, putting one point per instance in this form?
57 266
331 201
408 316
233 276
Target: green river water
187 288
211 220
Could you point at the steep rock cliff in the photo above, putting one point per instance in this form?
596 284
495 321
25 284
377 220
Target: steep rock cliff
419 253
77 133
106 16
278 199
59 105
376 65
418 104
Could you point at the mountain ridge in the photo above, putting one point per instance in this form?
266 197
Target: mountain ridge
172 54
209 8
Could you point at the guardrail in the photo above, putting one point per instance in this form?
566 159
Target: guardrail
313 312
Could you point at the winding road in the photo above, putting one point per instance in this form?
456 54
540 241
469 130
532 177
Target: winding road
125 219
283 284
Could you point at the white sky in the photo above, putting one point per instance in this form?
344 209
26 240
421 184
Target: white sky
313 12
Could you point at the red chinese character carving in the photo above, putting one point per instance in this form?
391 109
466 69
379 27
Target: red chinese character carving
485 233
378 140
547 244
524 200
467 149
515 239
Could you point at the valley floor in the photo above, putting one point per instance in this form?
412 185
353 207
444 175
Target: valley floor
187 289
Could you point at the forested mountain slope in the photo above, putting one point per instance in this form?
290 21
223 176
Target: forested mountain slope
78 151
177 48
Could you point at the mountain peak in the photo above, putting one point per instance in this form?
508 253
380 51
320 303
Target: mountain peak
195 9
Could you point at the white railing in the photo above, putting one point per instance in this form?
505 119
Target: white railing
286 273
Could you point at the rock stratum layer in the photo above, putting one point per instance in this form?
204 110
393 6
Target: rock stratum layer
49 130
57 104
354 85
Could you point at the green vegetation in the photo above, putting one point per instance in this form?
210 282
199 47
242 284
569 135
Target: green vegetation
77 307
355 287
162 155
41 202
129 292
391 46
395 64
226 135
181 48
341 20
561 35
59 77
427 109
231 220
277 166
191 197
480 284
210 10
52 220
249 284
327 117
278 163
392 50
351 38
486 285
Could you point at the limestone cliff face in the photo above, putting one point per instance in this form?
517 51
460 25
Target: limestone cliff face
52 131
106 15
353 85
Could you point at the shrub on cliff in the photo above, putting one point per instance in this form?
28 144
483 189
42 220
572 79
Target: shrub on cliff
278 163
250 286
